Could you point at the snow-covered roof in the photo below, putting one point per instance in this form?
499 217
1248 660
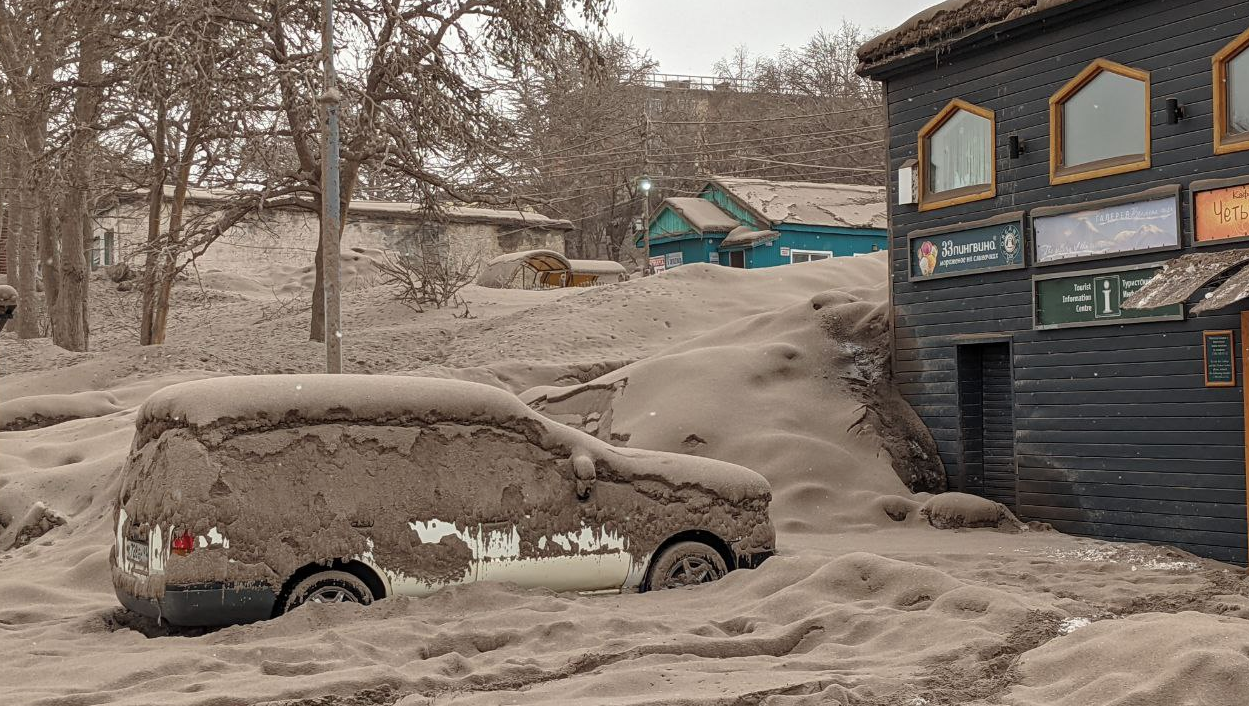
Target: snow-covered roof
500 272
945 24
395 209
810 203
596 267
461 214
705 216
746 236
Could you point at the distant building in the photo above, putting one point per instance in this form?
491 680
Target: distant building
288 236
753 223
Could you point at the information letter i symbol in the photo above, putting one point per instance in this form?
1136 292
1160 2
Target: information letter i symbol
1107 297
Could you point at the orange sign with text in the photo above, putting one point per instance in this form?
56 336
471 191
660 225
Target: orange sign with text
1221 214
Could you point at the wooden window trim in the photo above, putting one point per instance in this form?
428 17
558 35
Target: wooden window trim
1062 174
1223 142
977 192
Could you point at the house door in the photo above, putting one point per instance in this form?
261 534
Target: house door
737 258
986 422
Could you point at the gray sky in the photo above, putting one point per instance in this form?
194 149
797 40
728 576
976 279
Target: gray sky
688 36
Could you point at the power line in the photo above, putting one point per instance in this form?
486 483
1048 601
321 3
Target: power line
766 120
812 166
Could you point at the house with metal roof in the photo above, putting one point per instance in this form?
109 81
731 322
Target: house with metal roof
751 223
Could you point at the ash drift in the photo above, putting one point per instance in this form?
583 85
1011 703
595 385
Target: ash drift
244 497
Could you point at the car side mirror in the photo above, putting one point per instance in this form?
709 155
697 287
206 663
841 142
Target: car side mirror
583 470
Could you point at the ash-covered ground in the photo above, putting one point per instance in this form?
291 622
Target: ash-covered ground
778 370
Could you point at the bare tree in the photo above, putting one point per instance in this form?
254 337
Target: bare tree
31 47
417 89
195 95
428 278
590 133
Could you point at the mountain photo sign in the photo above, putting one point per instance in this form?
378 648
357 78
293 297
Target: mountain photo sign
1140 223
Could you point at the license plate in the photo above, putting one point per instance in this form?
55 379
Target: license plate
136 555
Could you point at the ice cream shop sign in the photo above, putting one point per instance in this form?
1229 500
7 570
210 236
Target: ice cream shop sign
980 246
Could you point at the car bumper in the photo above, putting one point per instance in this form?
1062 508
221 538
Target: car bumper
205 605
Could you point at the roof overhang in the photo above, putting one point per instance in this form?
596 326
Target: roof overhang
951 26
1182 277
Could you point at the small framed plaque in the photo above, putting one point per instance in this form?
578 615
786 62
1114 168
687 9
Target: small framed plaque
1219 351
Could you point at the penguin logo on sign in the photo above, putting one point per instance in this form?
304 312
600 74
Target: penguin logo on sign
1010 244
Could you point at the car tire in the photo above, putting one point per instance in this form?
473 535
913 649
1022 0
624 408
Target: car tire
327 587
685 564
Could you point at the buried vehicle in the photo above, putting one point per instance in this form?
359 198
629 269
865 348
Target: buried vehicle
244 497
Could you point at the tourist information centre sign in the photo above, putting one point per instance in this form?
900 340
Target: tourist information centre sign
1095 298
967 248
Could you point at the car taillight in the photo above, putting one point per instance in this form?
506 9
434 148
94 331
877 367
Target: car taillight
183 545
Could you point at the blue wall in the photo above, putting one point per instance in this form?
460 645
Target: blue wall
692 249
840 241
669 223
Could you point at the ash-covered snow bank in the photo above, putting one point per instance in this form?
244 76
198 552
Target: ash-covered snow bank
297 469
799 394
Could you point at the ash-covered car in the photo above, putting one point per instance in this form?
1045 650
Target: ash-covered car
245 497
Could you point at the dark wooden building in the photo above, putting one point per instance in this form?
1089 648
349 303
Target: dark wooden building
1047 159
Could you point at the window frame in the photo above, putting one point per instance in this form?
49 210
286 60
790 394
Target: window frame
828 254
1062 174
977 192
1224 143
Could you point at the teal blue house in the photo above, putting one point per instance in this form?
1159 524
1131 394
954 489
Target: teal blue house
759 223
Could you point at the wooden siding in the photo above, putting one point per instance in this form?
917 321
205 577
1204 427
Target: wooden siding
717 196
1115 434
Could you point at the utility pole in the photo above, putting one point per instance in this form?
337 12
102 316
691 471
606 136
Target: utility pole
331 217
645 185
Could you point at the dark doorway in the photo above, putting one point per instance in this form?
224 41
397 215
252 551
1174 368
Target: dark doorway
986 422
737 258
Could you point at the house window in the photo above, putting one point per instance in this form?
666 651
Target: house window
1099 123
957 156
1231 96
737 258
108 247
808 255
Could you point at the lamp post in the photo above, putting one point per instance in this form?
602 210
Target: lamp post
644 185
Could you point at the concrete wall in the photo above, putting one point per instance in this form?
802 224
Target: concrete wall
289 237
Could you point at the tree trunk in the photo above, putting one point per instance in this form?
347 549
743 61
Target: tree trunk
70 327
169 264
27 261
69 316
49 246
151 262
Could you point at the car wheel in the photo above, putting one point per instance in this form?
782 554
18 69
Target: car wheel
685 564
327 587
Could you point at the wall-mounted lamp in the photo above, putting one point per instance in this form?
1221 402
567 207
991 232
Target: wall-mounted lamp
1175 111
1017 146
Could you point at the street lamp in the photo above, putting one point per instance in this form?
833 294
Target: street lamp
644 184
